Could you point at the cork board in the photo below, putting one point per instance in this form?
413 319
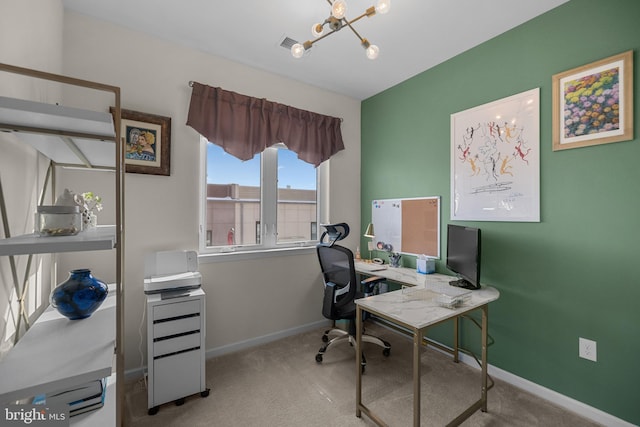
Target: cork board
410 226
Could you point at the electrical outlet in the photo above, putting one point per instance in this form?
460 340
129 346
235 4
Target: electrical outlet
370 246
588 349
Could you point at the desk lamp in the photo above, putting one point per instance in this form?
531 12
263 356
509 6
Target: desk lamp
370 234
369 231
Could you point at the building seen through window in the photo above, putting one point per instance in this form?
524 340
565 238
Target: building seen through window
268 201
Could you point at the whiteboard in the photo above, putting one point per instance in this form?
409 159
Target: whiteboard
410 226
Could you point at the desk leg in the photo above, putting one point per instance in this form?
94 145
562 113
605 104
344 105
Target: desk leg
456 338
417 347
485 327
358 361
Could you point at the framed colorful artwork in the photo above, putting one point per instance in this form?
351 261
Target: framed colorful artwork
495 160
147 142
593 104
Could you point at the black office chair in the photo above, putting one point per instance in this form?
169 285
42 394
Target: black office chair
340 290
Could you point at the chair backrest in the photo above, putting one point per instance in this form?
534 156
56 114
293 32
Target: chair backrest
333 233
338 272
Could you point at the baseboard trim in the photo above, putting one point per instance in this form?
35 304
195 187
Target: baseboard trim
241 345
554 397
264 339
568 403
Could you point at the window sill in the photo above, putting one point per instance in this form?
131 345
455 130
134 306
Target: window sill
205 258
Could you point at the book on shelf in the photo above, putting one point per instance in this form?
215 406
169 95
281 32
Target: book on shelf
90 403
86 409
87 401
77 397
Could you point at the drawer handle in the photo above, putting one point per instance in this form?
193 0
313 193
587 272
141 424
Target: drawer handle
182 334
171 319
176 352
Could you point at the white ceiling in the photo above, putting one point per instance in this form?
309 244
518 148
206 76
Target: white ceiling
414 36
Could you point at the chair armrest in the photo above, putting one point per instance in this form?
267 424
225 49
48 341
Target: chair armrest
372 280
369 283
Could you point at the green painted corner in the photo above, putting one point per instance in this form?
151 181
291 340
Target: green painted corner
574 274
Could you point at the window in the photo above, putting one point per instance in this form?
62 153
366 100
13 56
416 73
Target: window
271 201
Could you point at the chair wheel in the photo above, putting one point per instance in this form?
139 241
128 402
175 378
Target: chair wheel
319 358
204 393
325 338
153 411
180 401
386 352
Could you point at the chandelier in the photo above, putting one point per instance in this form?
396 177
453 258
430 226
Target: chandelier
336 21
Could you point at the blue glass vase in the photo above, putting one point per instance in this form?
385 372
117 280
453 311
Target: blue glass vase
80 295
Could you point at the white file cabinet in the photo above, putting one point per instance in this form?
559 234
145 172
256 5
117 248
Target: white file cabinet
175 347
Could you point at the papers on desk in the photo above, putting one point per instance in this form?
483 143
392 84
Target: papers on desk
371 267
443 295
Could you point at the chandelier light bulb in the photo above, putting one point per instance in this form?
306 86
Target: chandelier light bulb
338 9
372 51
297 50
383 6
336 21
317 30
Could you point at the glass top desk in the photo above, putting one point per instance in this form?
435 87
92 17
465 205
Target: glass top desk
416 309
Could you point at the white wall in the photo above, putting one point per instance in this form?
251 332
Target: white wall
30 36
248 299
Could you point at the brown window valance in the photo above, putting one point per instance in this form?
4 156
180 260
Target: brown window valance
244 126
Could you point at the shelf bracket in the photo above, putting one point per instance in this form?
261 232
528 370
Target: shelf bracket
14 269
74 148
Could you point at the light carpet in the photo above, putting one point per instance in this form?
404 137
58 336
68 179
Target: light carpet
280 384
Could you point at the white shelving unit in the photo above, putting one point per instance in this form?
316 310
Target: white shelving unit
102 238
56 352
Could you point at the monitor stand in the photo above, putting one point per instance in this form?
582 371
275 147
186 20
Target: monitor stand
461 283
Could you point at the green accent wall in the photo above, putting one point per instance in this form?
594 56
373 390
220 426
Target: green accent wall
574 274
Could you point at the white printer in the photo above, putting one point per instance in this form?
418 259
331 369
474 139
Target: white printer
171 271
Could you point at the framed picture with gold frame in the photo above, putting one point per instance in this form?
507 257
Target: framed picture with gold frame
593 104
147 142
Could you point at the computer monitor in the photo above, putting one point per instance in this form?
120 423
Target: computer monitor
463 255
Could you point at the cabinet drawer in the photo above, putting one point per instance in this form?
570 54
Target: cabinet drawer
177 376
176 344
178 326
167 311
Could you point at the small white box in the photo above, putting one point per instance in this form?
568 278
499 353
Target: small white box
425 266
450 297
